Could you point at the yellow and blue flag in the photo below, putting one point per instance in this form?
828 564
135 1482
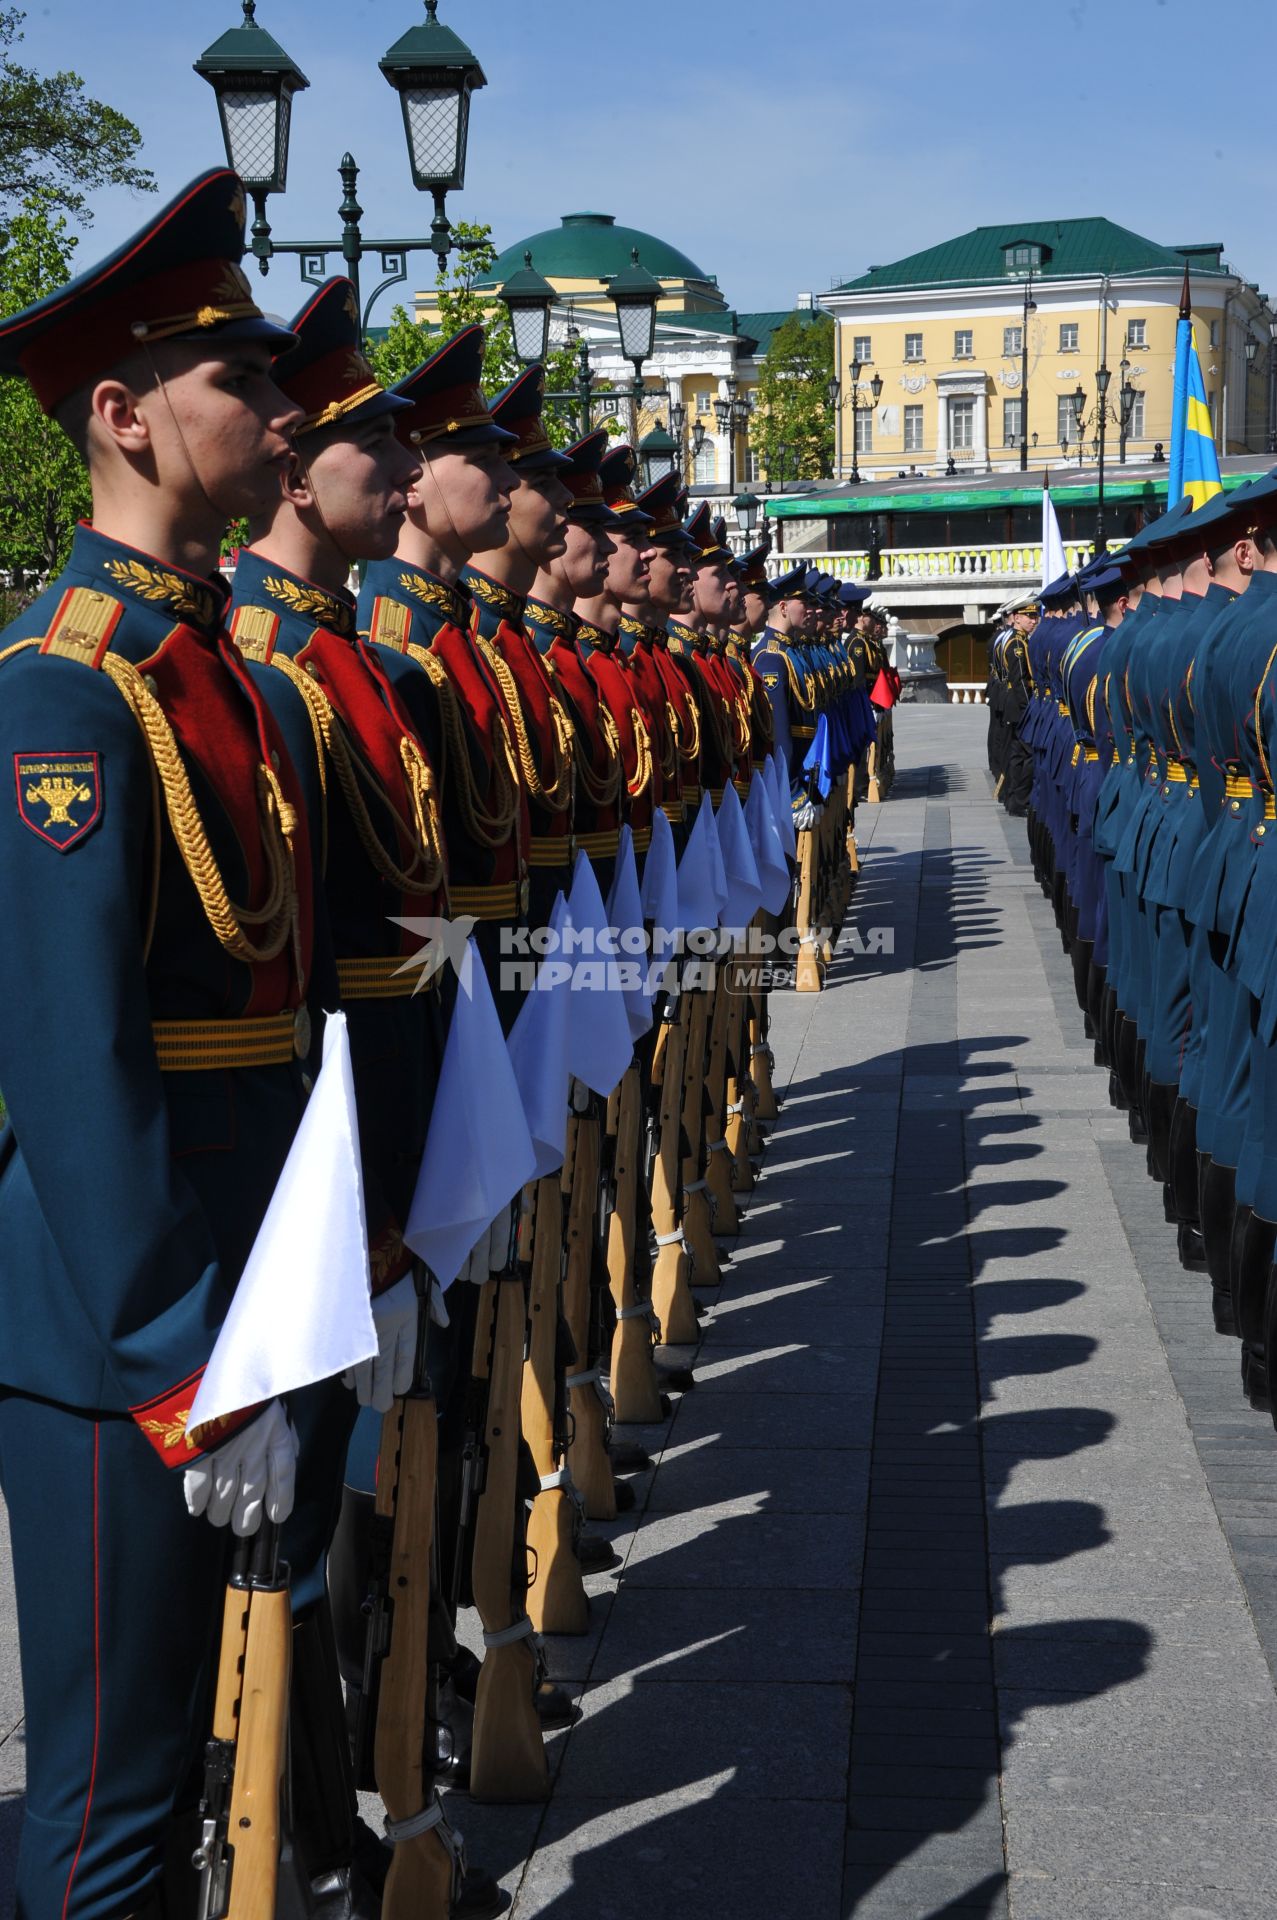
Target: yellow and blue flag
1194 462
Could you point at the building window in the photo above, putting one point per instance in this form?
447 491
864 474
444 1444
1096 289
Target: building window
753 468
1137 333
1068 336
913 346
961 423
862 348
962 349
1013 340
865 430
1012 414
706 465
913 430
1066 423
1019 259
1136 429
1214 333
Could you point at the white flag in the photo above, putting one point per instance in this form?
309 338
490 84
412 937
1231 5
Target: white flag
777 778
769 851
744 889
538 1049
600 1046
697 892
660 887
1053 561
625 916
478 1151
302 1310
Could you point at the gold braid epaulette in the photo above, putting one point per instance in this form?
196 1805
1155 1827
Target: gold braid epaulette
280 915
643 757
427 871
603 789
805 700
691 754
669 762
278 821
490 829
555 795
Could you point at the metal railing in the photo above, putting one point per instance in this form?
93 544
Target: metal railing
993 561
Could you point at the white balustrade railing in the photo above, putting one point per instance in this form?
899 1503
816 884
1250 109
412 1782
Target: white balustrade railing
993 561
966 693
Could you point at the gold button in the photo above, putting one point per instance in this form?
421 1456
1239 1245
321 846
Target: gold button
308 1085
150 683
1236 806
274 758
1259 832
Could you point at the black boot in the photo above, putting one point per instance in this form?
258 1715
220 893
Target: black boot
1216 1200
1082 951
1254 1240
1160 1112
1181 1187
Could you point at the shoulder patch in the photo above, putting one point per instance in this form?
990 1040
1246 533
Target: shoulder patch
254 631
59 795
391 623
83 625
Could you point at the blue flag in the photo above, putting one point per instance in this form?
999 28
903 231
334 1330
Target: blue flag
1194 466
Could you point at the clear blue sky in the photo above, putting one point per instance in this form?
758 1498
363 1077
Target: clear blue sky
783 144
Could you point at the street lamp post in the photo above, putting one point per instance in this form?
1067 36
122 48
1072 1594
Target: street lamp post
635 294
1102 378
1077 400
746 509
658 452
1030 306
254 80
875 389
1125 408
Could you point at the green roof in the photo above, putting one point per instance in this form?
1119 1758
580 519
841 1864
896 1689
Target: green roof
588 246
1071 249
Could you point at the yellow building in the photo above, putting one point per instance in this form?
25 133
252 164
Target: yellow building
962 333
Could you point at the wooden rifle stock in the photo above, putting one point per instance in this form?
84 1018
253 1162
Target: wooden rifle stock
507 1756
424 1870
636 1394
807 978
587 1448
238 1854
698 1219
557 1601
672 1273
717 1155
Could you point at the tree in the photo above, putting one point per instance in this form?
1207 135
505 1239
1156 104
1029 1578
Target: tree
793 407
56 139
44 488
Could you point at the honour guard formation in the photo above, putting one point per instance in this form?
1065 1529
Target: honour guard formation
413 953
1131 721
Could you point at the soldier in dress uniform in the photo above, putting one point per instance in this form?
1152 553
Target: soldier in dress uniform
1018 764
343 500
152 791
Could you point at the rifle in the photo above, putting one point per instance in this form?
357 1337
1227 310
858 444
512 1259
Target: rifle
740 1093
636 1393
587 1450
717 1154
427 1866
698 1217
507 1755
807 977
557 1601
240 1816
672 1273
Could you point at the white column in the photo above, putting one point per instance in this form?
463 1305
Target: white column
942 426
980 451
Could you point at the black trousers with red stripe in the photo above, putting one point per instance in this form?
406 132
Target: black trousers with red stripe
119 1593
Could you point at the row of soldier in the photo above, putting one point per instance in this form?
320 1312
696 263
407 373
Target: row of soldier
1133 723
224 816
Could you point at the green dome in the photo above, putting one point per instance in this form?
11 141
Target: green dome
586 246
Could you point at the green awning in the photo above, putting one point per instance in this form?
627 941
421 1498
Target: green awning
817 506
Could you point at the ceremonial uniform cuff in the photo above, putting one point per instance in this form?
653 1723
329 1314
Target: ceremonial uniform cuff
164 1422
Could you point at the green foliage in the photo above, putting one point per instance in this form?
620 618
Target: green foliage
793 410
460 305
407 343
55 139
44 488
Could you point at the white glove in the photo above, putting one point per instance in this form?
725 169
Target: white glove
807 816
256 1469
394 1315
490 1250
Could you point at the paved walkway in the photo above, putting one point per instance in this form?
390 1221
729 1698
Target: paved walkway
954 1589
